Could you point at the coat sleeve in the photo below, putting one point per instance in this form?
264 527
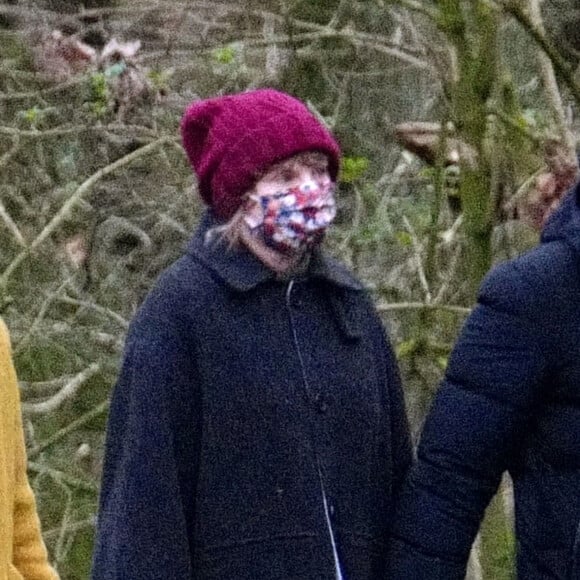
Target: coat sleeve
144 527
472 431
28 552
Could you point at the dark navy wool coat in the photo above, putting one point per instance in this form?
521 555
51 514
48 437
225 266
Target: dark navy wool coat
239 398
510 401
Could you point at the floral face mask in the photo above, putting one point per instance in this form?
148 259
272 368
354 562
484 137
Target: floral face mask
292 219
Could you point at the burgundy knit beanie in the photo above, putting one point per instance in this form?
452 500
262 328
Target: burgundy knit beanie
230 139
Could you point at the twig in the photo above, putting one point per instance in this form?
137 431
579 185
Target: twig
76 197
523 189
422 305
58 132
100 309
71 528
413 6
39 389
356 220
534 137
42 92
65 478
550 84
70 428
11 152
61 548
67 391
272 64
11 225
23 342
474 569
449 275
449 234
358 39
374 41
558 61
433 231
61 131
418 260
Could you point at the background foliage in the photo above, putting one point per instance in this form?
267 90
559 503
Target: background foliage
96 197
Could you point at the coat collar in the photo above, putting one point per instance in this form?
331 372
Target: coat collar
242 271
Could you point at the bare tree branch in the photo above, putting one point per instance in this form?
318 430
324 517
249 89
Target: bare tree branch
67 392
11 225
63 477
383 307
77 196
550 84
61 434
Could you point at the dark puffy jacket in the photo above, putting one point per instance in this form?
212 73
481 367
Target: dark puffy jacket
510 401
239 398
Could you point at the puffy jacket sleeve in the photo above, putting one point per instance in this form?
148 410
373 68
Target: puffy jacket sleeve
29 555
479 413
148 484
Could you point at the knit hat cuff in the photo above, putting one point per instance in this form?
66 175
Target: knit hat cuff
272 141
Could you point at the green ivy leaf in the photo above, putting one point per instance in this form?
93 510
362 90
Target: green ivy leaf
404 238
99 109
98 101
98 86
225 55
428 172
159 78
31 115
353 168
406 348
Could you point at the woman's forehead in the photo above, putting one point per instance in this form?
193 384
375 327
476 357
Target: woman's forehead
305 160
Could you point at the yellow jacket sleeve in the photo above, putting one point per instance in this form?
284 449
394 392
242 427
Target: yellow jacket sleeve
29 554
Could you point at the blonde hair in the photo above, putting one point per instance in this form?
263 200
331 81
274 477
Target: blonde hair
229 232
284 170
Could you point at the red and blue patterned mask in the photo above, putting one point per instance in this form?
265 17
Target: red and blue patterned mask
292 219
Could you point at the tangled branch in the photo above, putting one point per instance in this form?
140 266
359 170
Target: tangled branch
66 392
76 197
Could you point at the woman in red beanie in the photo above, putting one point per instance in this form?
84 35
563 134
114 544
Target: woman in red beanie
257 430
